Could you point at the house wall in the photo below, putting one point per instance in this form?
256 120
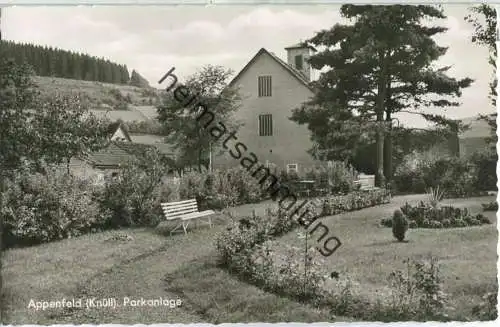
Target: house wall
84 170
290 141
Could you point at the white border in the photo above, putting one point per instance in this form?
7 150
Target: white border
6 3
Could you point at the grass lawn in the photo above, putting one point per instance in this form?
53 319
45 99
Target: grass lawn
467 256
54 270
93 266
183 267
220 297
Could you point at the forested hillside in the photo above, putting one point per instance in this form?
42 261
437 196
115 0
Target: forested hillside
53 62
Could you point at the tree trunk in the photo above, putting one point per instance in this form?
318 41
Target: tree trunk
199 159
381 97
388 151
379 174
67 166
388 146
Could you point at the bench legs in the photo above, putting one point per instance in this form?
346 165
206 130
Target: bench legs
185 224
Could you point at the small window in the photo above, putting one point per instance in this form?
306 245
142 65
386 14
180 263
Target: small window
298 62
266 125
264 86
292 168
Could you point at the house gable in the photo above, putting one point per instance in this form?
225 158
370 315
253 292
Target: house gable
118 132
263 52
270 90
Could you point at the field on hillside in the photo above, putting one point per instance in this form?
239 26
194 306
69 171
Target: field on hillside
98 95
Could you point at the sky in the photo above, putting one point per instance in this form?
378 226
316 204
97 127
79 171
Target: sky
153 39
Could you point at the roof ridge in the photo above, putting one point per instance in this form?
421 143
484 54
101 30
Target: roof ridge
289 68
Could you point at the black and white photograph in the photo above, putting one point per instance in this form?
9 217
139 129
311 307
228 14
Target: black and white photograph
248 163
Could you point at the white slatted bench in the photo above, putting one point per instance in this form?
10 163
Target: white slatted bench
366 182
185 211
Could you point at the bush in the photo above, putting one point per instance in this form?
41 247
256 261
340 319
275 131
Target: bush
221 188
241 236
417 291
458 177
133 198
486 167
487 310
341 177
492 206
42 208
333 205
399 225
409 175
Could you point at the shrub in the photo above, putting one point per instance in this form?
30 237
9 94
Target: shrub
42 208
221 188
409 175
483 219
492 206
435 196
241 236
341 177
333 205
458 177
487 310
417 291
399 225
282 222
134 197
486 165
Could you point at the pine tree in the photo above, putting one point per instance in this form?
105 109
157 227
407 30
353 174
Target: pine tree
378 66
137 80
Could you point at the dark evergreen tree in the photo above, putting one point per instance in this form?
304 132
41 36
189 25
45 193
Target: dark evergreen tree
137 80
49 61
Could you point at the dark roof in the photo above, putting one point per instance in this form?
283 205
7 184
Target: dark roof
112 156
295 73
134 148
300 46
119 154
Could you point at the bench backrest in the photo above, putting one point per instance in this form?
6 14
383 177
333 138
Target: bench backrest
367 181
174 210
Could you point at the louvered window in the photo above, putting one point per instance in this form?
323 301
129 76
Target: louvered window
264 86
266 125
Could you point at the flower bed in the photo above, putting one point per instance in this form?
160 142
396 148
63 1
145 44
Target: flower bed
354 201
238 243
246 249
491 206
426 216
